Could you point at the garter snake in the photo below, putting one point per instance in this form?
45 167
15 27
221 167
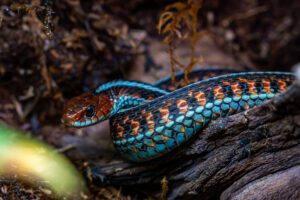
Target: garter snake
149 120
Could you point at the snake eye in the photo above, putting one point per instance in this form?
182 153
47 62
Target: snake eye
90 111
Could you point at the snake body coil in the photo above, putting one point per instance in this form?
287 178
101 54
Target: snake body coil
148 121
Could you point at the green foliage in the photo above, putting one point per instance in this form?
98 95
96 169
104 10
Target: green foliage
37 162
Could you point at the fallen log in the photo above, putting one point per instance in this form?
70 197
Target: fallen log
250 155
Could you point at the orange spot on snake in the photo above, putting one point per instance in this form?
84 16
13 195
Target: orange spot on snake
218 92
135 127
164 113
182 105
267 85
200 98
251 86
236 89
120 131
281 85
150 121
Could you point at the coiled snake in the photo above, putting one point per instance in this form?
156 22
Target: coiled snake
147 121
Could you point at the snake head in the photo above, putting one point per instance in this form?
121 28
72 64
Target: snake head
87 109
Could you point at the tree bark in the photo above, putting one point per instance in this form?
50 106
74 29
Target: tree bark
250 155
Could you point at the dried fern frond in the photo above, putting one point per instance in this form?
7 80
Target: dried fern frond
179 21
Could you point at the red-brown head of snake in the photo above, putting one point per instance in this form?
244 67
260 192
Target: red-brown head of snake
87 109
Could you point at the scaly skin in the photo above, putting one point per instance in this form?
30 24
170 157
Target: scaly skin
144 129
105 98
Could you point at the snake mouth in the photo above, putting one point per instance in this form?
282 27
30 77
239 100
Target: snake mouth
79 124
66 122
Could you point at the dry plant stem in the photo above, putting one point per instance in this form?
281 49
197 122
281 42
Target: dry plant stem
172 62
175 18
231 158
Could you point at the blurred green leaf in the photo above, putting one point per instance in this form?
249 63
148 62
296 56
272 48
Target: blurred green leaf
24 156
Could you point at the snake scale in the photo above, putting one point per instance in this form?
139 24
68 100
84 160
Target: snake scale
150 120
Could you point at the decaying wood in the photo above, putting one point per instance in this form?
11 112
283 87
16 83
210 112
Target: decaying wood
250 155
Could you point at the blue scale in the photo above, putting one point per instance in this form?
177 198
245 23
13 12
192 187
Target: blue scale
180 138
168 133
178 128
130 147
251 103
77 124
225 106
130 140
227 99
160 147
262 96
161 121
190 132
218 102
124 141
151 151
138 145
258 102
170 143
83 123
189 114
117 142
245 97
198 126
242 104
140 137
157 138
216 109
149 134
188 122
235 98
170 124
199 109
206 121
253 96
180 119
159 129
207 113
198 117
87 123
270 95
234 105
148 141
142 154
209 105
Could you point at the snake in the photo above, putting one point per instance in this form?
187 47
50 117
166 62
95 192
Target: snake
150 121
